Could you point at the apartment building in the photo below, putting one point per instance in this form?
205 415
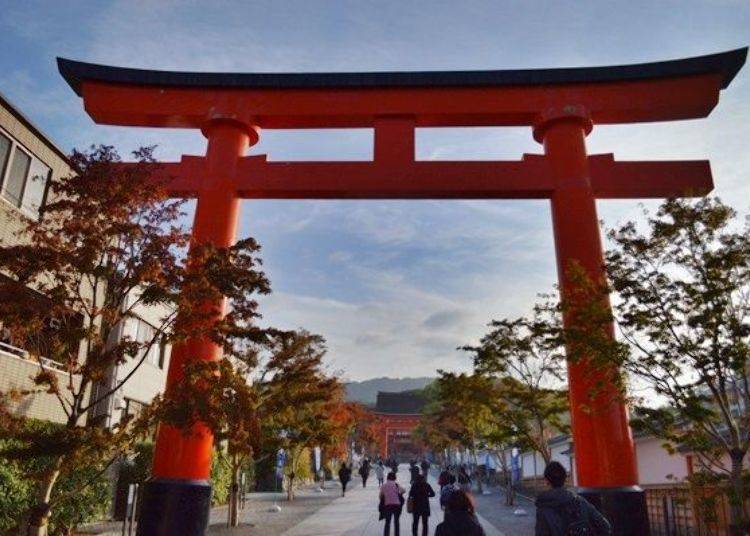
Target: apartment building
29 162
144 382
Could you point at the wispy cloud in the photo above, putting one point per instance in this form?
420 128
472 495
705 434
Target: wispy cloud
394 286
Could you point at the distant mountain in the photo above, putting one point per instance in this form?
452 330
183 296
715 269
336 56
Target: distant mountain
366 391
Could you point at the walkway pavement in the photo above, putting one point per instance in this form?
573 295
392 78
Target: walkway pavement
357 514
504 518
314 513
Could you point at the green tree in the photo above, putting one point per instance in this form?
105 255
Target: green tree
300 400
524 358
683 284
271 393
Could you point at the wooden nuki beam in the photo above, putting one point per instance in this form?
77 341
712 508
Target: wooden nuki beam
394 177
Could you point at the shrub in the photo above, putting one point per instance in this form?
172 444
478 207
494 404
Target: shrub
15 493
87 498
79 496
221 477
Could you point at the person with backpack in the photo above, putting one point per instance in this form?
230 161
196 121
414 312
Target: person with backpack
447 490
345 474
561 512
460 517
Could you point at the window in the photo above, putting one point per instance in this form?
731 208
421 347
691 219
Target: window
5 146
163 351
14 182
36 186
23 177
144 335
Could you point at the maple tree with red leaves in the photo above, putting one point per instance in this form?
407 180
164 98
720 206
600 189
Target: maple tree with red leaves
107 242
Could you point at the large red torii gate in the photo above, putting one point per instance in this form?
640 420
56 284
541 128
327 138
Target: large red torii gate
561 105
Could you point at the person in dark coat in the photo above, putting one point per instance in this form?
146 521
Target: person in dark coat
364 471
443 478
460 519
345 474
559 511
425 466
419 495
414 471
464 480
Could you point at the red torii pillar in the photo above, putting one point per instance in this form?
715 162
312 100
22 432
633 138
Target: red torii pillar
561 105
181 457
604 448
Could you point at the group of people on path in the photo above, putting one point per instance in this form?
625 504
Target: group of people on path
459 520
559 511
365 467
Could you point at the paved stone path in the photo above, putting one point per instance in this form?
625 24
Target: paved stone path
328 514
503 517
357 514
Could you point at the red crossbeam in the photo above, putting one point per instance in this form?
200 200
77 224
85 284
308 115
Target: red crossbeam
524 179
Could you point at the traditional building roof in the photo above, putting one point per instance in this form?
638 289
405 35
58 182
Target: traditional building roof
726 64
403 403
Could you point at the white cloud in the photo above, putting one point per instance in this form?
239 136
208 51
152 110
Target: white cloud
394 286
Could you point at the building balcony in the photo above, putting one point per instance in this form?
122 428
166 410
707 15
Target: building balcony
17 371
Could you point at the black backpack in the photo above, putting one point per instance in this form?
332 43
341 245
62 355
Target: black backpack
578 522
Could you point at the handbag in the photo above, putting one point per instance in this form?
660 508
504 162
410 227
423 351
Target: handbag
410 505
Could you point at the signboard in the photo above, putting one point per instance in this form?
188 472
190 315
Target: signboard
316 458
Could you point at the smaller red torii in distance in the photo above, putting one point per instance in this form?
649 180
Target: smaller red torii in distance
561 105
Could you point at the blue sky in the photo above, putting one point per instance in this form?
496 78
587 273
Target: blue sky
394 286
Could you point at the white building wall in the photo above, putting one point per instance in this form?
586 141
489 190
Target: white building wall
656 465
532 465
147 381
17 373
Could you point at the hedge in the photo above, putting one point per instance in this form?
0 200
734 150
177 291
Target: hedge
17 486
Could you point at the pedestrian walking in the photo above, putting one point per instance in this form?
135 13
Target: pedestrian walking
391 503
413 471
447 490
345 474
380 473
394 465
364 471
444 476
560 512
460 517
464 480
425 465
418 504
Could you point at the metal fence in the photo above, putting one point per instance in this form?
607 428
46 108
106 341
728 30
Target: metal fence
683 511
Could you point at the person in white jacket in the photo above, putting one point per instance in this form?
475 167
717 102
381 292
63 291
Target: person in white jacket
380 473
